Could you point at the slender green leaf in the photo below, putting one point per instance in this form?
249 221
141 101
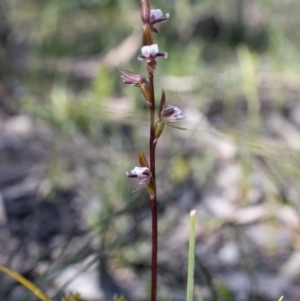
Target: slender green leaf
24 282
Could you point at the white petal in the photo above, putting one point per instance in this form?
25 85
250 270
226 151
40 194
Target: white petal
139 171
154 48
145 51
155 14
150 50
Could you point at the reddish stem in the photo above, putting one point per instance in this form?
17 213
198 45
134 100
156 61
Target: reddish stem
154 248
152 146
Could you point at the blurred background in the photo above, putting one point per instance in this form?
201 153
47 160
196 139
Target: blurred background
69 129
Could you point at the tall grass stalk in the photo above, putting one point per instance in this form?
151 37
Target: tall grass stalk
29 285
191 264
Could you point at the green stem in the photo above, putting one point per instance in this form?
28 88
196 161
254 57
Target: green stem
191 265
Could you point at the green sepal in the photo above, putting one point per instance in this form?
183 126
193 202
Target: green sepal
162 104
143 161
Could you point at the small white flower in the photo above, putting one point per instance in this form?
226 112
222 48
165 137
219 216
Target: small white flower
156 16
143 174
138 171
150 52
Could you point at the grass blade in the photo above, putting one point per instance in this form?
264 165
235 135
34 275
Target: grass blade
191 264
24 282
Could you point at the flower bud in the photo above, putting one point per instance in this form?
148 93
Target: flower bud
146 90
159 127
162 104
145 11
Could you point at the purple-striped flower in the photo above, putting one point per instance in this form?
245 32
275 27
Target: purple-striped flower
137 80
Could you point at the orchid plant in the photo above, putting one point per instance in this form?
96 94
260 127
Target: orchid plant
167 115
